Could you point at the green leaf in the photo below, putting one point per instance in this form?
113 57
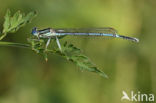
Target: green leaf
75 55
37 45
70 53
18 20
6 24
13 23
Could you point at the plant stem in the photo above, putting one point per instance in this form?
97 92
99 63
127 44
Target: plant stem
3 35
15 44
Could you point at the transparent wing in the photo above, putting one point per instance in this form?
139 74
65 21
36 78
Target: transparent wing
109 32
87 30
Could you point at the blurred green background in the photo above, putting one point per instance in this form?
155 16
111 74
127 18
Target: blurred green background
25 77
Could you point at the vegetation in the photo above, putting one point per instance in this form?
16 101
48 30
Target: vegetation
70 52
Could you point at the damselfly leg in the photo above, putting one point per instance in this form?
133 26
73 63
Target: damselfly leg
58 43
47 43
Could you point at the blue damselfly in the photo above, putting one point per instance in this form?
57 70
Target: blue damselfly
55 33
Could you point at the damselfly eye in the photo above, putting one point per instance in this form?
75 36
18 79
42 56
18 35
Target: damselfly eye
34 31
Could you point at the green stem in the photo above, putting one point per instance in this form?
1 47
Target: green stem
3 35
14 44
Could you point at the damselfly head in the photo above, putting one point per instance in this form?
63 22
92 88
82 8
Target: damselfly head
34 31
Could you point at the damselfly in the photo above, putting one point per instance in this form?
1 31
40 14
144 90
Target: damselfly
55 33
